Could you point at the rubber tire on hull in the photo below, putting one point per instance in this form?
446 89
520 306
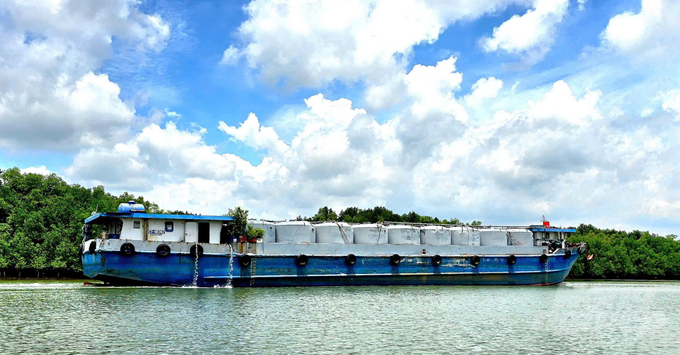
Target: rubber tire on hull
80 250
126 249
163 250
245 260
395 259
475 260
192 250
543 258
512 259
351 259
567 254
437 260
301 260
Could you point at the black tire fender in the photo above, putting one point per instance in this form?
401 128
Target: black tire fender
127 249
567 253
475 260
543 258
351 259
512 259
395 259
437 260
80 250
163 250
245 260
192 250
301 260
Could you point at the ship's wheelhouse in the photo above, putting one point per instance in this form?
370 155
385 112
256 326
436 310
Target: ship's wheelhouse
131 222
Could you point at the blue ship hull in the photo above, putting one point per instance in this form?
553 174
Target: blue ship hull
277 270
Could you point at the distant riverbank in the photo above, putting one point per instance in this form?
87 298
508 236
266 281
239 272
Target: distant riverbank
41 274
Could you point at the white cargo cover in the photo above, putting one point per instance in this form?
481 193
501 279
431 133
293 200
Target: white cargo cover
493 237
296 232
464 236
435 235
369 234
337 233
521 237
403 235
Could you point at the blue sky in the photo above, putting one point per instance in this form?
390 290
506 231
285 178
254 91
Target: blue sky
495 110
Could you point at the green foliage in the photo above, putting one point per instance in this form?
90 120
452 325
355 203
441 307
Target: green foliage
239 226
619 254
325 214
41 219
255 232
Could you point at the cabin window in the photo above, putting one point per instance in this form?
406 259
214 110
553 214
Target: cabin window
169 226
136 224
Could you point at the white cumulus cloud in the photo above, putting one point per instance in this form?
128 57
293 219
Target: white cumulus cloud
558 155
50 96
484 88
312 44
651 32
41 170
530 35
671 101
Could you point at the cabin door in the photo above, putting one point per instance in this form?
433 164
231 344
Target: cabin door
204 232
191 232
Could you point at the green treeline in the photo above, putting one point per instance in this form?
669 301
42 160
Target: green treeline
41 219
619 254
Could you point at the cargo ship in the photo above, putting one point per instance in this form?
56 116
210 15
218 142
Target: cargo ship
139 248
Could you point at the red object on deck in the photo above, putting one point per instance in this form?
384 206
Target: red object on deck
243 239
546 224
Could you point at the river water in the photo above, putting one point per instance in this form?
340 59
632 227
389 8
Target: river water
574 317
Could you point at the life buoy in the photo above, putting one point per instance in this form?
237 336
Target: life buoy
245 260
163 250
192 250
543 258
351 259
512 259
395 259
475 260
127 249
567 254
437 260
92 247
301 260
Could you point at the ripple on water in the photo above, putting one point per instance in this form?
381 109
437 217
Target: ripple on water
575 317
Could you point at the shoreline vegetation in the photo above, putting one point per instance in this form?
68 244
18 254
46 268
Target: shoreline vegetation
41 219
